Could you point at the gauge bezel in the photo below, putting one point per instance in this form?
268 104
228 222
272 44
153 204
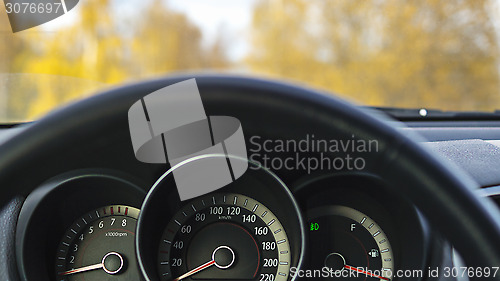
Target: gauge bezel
163 202
264 214
56 204
405 227
376 232
81 224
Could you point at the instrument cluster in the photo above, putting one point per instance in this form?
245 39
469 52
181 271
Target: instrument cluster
101 225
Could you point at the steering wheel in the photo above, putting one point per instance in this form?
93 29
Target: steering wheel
443 193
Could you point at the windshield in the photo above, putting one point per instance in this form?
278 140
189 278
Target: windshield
385 53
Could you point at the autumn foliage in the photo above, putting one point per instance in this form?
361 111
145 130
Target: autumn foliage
432 54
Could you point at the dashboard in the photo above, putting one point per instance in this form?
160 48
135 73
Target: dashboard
84 225
96 213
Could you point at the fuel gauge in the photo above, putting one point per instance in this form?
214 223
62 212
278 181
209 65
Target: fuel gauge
349 244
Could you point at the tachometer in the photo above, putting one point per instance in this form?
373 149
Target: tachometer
100 245
350 244
224 237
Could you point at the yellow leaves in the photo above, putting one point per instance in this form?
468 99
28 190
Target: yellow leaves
437 54
54 90
428 53
72 61
97 50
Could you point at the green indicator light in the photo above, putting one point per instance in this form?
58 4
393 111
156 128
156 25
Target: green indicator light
314 226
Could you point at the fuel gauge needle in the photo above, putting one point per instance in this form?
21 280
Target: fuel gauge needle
365 272
83 269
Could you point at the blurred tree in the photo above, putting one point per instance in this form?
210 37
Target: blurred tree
166 41
96 50
441 54
10 62
216 55
89 49
281 42
10 43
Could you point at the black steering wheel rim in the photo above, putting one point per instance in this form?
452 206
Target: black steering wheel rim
469 222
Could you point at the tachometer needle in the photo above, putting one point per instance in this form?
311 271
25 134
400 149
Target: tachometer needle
83 269
114 270
196 270
365 272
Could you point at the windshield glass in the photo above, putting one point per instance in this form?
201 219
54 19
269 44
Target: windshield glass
385 53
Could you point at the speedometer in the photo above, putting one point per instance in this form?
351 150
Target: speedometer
224 237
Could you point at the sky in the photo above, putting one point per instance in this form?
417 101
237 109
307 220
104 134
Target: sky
233 17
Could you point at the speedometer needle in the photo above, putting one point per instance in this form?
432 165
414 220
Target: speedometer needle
222 251
365 272
196 270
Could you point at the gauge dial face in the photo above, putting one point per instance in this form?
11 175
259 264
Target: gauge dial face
350 244
100 246
224 237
